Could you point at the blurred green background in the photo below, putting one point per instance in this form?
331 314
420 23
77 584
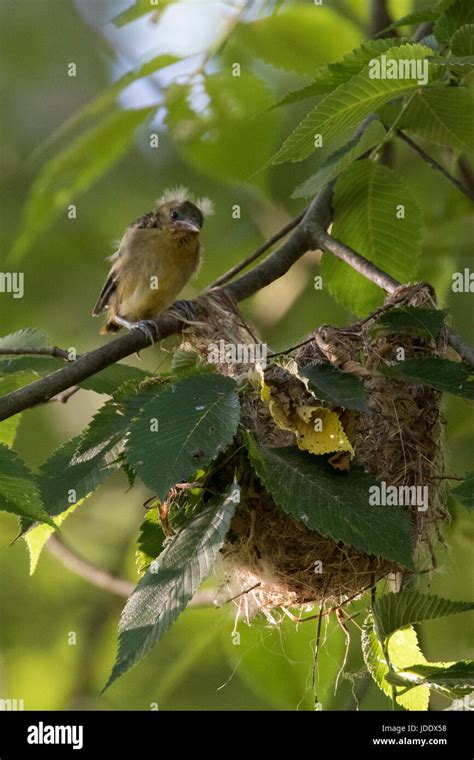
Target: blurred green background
198 665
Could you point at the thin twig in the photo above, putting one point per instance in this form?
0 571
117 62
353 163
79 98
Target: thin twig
99 577
310 234
435 165
58 353
259 251
64 397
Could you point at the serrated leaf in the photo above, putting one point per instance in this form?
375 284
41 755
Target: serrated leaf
81 465
456 678
334 74
393 611
72 171
19 493
341 159
441 374
348 105
183 361
459 13
37 535
62 484
173 578
107 381
367 201
462 41
28 337
335 387
402 649
183 429
9 427
111 378
286 39
442 116
411 320
334 504
464 492
150 541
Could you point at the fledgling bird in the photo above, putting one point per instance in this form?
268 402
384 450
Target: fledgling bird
156 257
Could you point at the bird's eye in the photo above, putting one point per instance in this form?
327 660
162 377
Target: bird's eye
174 214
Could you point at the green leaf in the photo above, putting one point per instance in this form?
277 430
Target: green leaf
459 13
411 320
107 381
9 427
348 105
169 584
19 493
82 464
341 159
464 492
216 140
367 199
287 39
442 116
29 337
74 170
462 41
183 361
333 503
456 678
150 541
334 74
416 17
111 378
140 8
183 429
335 387
393 611
37 535
402 649
441 374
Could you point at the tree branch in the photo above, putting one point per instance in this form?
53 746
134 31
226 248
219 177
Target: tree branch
468 192
58 353
310 234
259 251
103 579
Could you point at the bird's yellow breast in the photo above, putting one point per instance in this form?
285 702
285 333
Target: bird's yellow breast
153 267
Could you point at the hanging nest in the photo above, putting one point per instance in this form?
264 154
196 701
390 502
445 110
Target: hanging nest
270 559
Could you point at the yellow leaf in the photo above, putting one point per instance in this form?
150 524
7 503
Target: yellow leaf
317 430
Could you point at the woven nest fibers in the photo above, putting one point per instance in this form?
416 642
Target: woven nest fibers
271 559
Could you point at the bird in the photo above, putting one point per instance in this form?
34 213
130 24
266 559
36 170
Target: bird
157 255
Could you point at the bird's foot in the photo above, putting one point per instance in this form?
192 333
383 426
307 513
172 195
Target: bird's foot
148 328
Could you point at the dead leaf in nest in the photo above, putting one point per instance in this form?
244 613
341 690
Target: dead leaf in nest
317 430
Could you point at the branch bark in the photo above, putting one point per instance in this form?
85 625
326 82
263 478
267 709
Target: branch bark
100 578
310 234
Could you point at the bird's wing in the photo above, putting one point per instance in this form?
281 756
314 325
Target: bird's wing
110 287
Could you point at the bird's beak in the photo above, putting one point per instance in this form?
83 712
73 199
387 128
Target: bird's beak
183 226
